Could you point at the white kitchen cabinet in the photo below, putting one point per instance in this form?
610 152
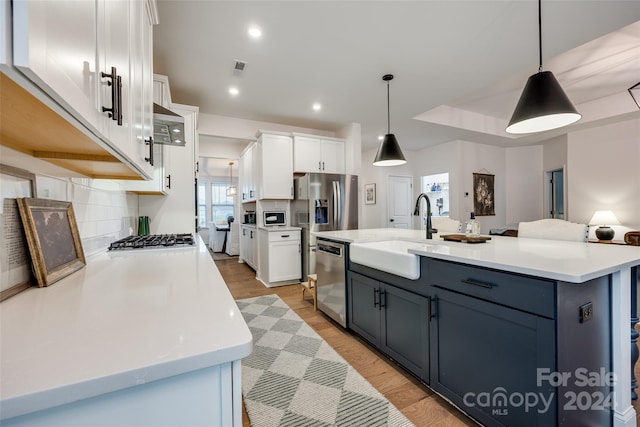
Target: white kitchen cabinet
274 158
63 47
249 245
160 184
161 91
248 173
280 256
176 212
318 154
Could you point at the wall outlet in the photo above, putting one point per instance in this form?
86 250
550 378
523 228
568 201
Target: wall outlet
586 312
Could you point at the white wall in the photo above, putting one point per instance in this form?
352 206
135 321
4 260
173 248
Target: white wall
376 215
480 158
604 173
440 159
214 147
524 184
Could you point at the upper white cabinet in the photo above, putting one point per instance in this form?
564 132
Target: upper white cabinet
94 59
160 184
54 45
318 154
274 158
176 213
248 174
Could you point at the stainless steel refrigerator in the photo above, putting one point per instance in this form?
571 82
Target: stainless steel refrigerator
323 202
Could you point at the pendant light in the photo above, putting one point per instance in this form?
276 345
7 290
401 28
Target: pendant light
543 104
389 152
232 190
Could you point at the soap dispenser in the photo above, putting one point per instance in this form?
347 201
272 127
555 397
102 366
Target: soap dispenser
473 226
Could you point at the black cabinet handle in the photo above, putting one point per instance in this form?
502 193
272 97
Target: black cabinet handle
149 142
430 312
113 77
319 168
322 165
244 231
251 234
383 302
285 235
473 282
375 299
169 181
119 103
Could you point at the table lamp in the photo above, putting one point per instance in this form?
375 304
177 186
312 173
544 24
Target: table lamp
604 219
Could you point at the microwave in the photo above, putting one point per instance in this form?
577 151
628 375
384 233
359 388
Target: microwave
275 218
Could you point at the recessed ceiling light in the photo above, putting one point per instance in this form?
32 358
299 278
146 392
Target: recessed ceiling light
233 91
317 107
255 32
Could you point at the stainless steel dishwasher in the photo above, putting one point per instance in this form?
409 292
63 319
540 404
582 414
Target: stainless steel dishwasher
332 289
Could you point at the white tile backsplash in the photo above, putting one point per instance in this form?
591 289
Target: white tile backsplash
104 211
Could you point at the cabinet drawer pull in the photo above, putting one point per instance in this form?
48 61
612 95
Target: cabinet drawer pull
383 302
284 236
430 312
168 181
149 142
113 111
478 283
375 299
118 113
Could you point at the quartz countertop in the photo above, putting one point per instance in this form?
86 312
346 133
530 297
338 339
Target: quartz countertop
127 318
574 262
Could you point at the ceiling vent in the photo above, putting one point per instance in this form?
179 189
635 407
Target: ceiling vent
239 66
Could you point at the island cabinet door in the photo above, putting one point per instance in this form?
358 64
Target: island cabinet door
364 307
486 358
405 329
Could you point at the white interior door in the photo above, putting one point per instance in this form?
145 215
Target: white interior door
399 200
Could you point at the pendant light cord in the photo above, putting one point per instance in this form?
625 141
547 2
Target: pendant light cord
388 111
540 34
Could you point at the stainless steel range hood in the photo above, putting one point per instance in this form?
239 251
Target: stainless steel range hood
168 127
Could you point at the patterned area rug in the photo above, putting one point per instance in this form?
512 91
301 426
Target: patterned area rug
294 378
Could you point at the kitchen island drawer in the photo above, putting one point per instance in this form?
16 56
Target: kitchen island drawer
284 236
509 289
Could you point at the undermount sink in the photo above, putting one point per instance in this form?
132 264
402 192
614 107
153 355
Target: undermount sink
391 256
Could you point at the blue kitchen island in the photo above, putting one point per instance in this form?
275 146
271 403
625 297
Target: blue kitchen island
513 331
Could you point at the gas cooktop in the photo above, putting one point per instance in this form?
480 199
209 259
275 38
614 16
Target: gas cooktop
153 241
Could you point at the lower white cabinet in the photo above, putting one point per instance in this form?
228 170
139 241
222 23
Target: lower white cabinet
249 245
280 256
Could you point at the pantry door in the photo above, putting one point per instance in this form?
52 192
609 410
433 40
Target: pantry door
399 201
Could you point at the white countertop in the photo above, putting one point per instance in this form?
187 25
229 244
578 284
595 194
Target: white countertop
127 318
574 262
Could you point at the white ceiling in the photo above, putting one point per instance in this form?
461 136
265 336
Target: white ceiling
459 66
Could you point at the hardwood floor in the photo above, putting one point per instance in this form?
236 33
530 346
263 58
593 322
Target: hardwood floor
415 401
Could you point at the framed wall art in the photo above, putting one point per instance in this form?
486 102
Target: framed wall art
53 239
369 194
483 194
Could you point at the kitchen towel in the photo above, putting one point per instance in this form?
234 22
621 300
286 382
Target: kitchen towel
294 378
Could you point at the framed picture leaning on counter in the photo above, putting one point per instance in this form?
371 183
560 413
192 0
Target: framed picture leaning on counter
53 238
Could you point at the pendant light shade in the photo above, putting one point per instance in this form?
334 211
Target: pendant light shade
232 190
543 104
389 152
